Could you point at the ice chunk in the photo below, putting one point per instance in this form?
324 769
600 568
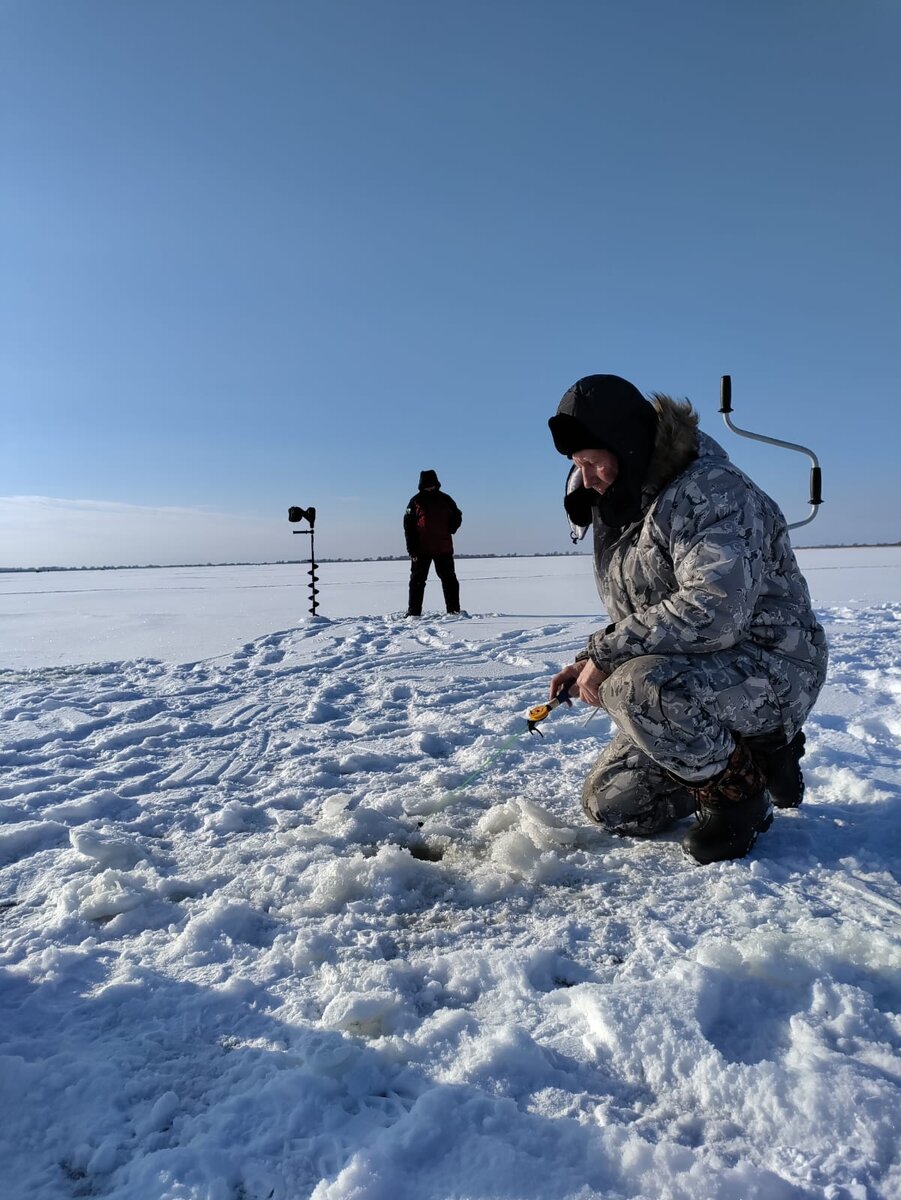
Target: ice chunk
370 1014
109 850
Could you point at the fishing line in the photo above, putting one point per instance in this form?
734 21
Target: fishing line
535 715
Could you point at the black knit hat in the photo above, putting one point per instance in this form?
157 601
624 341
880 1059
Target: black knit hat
605 412
428 479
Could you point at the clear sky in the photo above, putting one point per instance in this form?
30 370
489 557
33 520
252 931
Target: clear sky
267 253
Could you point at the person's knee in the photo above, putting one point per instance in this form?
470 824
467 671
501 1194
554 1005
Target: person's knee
601 810
628 805
609 815
631 684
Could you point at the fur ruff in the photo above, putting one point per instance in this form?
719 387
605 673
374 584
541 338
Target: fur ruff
675 443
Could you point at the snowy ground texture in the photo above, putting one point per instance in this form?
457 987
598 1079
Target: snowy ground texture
253 945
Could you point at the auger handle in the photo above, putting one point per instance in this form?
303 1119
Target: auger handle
816 475
816 486
726 394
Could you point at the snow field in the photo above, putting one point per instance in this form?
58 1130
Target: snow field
255 946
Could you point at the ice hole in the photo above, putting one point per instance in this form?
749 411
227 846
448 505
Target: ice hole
426 853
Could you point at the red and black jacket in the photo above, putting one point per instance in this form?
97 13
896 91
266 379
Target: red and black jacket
431 520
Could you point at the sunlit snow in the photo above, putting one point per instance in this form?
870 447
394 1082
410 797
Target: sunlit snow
259 942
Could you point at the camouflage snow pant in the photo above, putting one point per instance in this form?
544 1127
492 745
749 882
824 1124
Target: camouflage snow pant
677 714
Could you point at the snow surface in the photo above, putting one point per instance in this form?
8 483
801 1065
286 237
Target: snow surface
254 945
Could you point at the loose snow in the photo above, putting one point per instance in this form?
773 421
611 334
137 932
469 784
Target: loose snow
259 942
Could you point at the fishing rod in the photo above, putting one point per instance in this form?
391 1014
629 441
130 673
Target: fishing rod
816 475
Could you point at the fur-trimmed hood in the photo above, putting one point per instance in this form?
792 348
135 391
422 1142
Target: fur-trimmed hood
675 442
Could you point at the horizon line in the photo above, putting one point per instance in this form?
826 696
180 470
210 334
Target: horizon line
292 562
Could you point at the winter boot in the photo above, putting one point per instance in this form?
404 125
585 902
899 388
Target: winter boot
732 809
781 764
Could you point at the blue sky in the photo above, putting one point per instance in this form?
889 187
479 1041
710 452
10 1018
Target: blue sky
259 254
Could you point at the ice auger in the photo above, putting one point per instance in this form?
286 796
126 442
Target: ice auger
296 514
816 475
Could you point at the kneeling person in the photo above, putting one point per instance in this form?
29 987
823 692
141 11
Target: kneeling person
713 657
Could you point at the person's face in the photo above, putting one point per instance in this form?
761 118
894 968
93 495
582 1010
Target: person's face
599 468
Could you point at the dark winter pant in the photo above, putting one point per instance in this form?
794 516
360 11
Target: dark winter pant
419 572
676 715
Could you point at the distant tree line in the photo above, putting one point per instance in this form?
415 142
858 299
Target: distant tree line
293 562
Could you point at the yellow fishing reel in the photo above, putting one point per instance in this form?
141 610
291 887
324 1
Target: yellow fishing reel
540 712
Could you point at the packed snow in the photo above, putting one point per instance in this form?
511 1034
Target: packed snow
294 907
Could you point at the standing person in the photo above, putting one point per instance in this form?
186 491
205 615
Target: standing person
713 657
431 520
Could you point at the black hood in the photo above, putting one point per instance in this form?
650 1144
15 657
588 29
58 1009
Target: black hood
428 479
605 412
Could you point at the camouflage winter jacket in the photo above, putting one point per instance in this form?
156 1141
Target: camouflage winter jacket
707 567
